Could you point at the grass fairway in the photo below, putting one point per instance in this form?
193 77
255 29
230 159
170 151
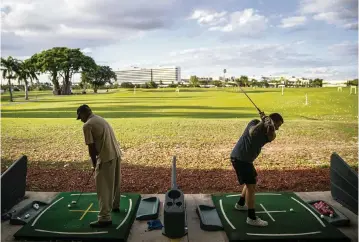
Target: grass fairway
200 126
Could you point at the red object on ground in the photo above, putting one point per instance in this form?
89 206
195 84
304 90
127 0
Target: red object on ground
323 208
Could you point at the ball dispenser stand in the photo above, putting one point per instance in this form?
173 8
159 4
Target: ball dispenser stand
175 224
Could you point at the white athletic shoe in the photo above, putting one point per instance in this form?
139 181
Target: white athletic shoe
241 208
257 222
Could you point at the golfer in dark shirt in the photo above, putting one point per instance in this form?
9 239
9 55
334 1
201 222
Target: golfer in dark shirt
255 136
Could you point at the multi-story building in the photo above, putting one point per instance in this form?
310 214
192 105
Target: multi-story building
142 75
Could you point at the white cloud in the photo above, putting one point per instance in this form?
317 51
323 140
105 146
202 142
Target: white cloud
86 50
247 55
263 59
300 42
348 49
293 22
205 17
326 73
84 33
31 25
352 26
275 55
22 57
317 6
343 13
246 22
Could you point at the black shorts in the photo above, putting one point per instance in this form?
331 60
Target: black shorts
246 173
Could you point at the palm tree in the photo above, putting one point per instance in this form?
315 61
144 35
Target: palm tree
24 72
9 68
243 81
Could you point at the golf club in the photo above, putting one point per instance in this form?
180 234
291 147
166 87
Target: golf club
250 99
75 202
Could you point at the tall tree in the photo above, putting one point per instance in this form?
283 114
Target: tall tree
9 67
26 71
318 82
353 82
73 61
85 79
46 62
243 81
98 76
194 81
254 82
298 83
62 62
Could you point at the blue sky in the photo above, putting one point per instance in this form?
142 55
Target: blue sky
304 38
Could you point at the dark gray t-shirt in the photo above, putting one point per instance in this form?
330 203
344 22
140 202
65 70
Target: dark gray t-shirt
248 148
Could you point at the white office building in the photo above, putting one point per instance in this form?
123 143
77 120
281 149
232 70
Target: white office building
142 75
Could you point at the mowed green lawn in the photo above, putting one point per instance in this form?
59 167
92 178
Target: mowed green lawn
199 126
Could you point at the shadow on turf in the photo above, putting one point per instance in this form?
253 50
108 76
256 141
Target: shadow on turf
252 91
133 111
57 99
232 90
172 91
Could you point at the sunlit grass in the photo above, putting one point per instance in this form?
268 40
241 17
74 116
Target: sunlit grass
200 126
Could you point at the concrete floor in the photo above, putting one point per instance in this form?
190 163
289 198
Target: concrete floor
138 230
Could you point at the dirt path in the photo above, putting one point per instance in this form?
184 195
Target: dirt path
140 179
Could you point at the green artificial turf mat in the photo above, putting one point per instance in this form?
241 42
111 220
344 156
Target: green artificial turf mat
59 222
301 224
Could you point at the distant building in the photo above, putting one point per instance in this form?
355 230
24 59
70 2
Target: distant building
336 83
142 75
205 79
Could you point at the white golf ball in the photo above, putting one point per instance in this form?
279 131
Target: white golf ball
291 209
331 215
73 202
322 216
69 205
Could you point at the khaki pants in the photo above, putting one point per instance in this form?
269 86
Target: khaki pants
108 178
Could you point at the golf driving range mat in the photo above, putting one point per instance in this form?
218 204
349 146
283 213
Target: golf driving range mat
289 219
60 222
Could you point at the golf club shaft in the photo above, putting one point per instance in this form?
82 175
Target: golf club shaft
84 186
250 99
174 173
